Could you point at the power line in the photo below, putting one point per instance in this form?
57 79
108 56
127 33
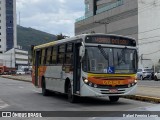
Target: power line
147 38
152 52
149 42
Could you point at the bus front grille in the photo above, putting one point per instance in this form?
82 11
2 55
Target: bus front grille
107 91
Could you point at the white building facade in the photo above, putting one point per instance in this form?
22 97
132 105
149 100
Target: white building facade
8 25
139 19
15 58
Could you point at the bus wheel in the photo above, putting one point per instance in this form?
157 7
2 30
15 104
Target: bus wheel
45 92
113 98
71 97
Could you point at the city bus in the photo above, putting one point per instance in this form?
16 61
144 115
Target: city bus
87 65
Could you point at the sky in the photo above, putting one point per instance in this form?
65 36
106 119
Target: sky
51 16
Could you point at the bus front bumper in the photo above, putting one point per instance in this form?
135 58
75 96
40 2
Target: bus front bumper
88 91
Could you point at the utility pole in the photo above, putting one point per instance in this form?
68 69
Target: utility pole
103 23
11 60
19 18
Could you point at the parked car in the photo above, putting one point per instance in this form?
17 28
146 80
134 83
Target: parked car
157 76
20 72
145 73
28 72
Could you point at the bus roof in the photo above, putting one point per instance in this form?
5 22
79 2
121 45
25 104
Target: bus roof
75 38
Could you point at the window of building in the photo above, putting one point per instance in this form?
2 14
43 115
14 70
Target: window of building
0 40
0 46
86 7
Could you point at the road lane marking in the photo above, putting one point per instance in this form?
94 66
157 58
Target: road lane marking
3 104
21 87
36 91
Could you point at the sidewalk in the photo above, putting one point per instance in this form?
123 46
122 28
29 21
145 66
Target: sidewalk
149 91
144 93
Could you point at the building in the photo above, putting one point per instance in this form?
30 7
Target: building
8 25
134 18
15 58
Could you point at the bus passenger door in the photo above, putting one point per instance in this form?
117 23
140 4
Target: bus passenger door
36 67
77 68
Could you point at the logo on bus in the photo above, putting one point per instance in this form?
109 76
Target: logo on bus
109 70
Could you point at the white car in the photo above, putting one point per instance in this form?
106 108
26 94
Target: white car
157 76
20 72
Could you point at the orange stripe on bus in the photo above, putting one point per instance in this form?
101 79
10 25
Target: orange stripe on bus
111 81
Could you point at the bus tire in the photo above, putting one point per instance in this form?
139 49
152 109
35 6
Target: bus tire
71 97
45 92
113 98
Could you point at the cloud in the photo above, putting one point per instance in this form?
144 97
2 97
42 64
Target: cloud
52 16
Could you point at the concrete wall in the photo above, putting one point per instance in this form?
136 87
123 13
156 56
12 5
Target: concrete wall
122 20
135 18
149 30
14 57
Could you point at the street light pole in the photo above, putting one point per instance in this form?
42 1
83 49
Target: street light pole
103 23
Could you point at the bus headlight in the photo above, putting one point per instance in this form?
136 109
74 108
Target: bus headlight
86 81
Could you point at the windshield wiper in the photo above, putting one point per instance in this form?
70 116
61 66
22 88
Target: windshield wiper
105 55
121 58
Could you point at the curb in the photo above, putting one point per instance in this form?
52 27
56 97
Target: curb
18 79
143 98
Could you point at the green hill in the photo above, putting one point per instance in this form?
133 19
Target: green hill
29 36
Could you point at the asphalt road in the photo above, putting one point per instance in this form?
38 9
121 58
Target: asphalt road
23 96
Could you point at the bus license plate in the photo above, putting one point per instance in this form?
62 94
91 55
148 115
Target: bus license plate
113 90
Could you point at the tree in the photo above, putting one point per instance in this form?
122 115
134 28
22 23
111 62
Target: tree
61 36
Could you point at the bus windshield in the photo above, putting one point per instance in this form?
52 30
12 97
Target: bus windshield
99 59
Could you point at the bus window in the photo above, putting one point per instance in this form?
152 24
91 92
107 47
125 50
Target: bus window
70 47
54 55
48 55
45 56
61 50
69 58
69 53
42 56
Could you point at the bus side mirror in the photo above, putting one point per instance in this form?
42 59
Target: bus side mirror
81 51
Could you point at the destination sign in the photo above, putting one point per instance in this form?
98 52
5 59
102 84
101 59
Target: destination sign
115 40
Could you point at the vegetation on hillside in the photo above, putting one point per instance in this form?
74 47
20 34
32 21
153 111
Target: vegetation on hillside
29 36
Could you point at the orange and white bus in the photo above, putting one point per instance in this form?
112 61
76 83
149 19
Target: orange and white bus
86 65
